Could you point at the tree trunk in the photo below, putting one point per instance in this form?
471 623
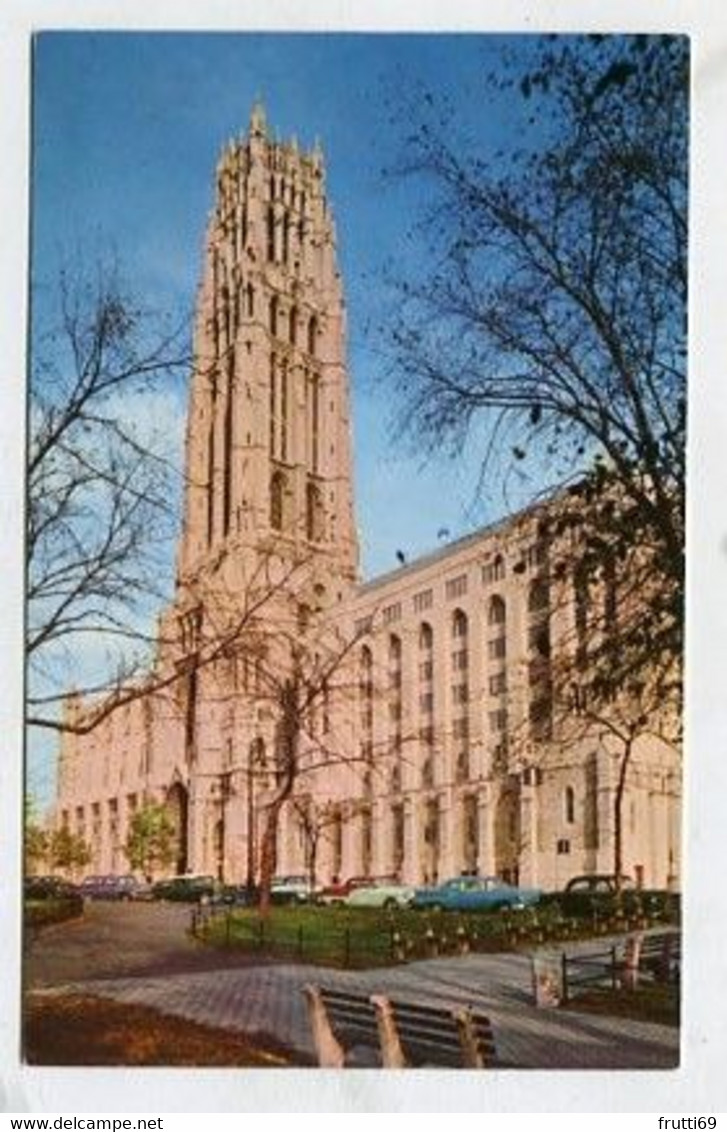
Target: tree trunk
618 815
287 759
269 853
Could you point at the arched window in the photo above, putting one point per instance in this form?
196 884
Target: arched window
274 316
569 800
496 612
312 334
394 650
459 623
277 492
426 637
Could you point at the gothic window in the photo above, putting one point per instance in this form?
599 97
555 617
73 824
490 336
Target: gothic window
273 403
250 300
274 316
581 601
496 611
569 800
284 411
277 492
312 334
314 421
271 234
210 483
462 770
459 624
286 237
313 512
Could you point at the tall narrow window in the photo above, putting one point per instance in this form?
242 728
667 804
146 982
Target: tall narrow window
273 403
274 316
313 513
277 489
271 234
227 458
210 483
315 416
312 335
570 805
250 300
286 237
284 411
293 325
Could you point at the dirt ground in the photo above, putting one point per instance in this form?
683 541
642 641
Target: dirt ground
66 1029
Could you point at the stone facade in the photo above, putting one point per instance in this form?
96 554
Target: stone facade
425 737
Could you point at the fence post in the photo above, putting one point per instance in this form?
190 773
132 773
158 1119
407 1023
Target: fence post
564 973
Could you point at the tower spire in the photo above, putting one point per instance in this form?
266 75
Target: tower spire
258 123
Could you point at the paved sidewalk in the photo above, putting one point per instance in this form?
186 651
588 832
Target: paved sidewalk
268 1000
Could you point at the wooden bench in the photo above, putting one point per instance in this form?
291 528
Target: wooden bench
657 955
402 1033
660 955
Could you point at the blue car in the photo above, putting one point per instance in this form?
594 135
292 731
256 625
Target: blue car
474 894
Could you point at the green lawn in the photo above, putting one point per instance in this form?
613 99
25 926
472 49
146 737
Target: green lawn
369 937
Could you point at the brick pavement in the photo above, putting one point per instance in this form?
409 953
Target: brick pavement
141 954
268 1000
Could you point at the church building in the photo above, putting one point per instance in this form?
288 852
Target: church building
406 725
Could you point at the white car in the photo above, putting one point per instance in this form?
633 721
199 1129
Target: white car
290 890
381 894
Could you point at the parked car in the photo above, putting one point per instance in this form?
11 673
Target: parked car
185 888
291 890
235 894
48 888
596 893
381 892
110 887
598 882
337 892
473 894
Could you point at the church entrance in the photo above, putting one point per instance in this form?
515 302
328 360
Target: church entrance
178 808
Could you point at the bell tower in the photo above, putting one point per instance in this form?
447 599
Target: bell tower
268 450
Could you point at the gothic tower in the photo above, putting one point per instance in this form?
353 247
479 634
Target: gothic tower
268 454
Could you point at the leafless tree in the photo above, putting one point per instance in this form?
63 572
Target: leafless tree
552 324
100 490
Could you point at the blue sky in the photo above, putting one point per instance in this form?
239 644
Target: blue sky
127 129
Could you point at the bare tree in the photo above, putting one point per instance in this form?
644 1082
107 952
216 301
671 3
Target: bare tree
552 324
100 492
